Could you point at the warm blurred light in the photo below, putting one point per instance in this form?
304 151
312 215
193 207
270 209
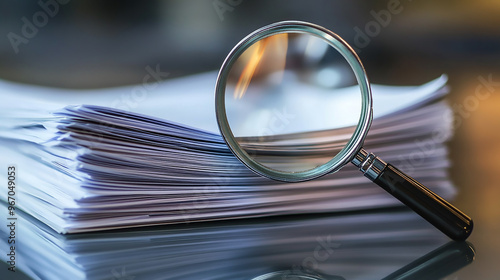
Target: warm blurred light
256 50
268 49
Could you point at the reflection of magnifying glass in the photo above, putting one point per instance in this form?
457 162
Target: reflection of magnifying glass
437 264
281 111
284 275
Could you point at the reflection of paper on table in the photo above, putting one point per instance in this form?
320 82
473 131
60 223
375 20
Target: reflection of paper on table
361 246
87 167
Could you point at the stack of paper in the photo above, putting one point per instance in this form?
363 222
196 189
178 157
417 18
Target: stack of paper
93 167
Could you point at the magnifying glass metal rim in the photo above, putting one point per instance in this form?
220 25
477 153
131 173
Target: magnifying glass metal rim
353 145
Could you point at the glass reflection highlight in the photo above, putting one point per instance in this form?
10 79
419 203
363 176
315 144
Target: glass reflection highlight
435 265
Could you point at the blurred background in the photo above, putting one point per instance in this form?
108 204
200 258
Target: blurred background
85 44
94 44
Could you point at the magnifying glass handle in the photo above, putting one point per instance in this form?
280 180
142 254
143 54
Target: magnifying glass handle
439 212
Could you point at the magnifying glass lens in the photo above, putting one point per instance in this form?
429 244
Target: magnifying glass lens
292 102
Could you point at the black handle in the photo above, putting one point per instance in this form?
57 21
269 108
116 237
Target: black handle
433 208
437 264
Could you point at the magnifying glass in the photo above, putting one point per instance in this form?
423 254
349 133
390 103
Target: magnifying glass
285 108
